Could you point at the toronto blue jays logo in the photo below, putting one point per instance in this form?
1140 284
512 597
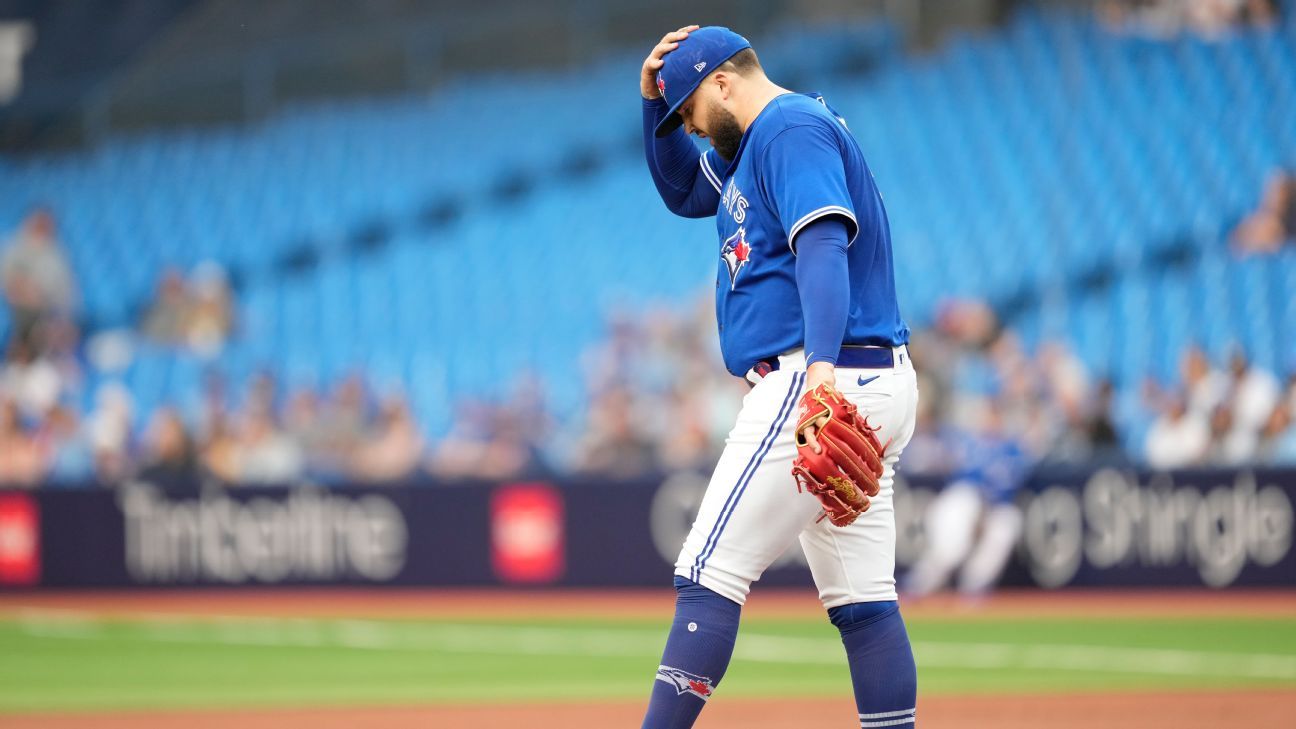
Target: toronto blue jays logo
685 682
736 253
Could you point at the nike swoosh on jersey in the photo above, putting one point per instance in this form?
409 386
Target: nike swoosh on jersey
862 381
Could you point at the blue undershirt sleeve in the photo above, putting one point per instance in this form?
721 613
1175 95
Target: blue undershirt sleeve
823 284
678 169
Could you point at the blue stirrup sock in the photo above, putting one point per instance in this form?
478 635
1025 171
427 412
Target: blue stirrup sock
698 650
881 663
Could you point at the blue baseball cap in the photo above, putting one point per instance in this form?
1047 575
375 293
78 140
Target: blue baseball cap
692 60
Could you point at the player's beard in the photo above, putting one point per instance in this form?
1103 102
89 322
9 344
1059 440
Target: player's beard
724 131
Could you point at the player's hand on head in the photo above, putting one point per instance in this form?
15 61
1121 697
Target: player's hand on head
653 63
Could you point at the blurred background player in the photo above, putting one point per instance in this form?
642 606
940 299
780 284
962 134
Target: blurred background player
973 525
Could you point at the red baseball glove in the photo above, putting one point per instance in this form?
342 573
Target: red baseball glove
844 473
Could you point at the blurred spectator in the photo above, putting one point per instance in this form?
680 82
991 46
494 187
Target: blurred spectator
37 281
525 428
170 458
62 340
393 451
970 323
32 382
1100 425
928 452
1253 394
196 314
463 451
611 362
69 453
210 407
22 460
1273 223
266 454
1178 439
487 442
529 410
1211 17
1157 399
262 392
1278 438
1205 386
1231 445
305 425
1062 402
958 355
512 452
220 454
1066 380
109 429
167 317
664 369
685 443
615 445
211 313
1165 18
345 417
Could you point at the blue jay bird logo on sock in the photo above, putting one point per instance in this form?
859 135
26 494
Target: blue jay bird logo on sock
685 682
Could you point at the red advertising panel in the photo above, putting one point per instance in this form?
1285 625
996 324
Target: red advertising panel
19 540
527 538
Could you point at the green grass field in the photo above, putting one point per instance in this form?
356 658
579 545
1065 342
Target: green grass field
73 661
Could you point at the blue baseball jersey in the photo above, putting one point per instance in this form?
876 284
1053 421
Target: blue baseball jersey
796 163
996 466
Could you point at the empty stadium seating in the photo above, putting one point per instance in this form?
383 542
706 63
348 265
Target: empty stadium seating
1049 161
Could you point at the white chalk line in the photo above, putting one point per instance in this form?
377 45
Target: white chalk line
476 638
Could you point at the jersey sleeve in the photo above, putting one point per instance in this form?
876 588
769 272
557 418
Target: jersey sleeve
804 178
685 178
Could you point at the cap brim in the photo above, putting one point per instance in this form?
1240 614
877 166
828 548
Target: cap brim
673 120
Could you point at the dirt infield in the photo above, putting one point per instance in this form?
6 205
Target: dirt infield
632 603
1110 711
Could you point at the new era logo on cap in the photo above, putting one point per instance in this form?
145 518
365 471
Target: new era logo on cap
700 66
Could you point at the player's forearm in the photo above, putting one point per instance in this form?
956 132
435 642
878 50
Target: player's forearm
672 159
673 164
823 285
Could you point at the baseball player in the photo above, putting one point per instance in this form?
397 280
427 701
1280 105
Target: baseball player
807 313
974 524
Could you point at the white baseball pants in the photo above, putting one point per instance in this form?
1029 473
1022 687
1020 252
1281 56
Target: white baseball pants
752 511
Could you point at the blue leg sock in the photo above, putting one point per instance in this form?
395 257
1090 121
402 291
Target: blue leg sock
881 662
697 653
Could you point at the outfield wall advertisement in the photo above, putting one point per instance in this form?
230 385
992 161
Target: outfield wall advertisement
1094 528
